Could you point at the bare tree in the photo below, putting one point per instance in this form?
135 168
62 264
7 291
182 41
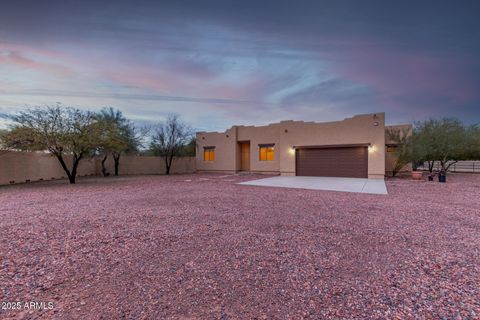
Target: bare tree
169 138
57 129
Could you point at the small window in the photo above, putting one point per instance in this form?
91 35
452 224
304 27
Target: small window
391 149
267 152
208 153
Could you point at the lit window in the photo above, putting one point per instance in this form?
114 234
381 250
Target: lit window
208 153
391 149
267 152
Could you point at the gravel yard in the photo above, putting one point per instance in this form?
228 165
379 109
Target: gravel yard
203 247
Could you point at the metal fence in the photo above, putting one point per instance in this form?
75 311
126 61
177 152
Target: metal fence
460 166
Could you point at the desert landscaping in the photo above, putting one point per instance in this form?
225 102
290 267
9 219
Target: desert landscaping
203 247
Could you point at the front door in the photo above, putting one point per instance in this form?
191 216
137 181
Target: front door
245 156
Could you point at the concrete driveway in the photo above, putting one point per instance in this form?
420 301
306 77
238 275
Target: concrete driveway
373 186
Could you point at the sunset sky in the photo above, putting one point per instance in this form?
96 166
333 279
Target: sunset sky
219 63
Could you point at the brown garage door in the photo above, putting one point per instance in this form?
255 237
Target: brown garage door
332 162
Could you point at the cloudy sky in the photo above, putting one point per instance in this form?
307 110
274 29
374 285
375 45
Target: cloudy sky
219 63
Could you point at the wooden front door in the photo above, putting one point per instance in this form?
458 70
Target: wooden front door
245 156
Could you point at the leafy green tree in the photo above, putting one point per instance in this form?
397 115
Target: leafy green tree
62 131
402 138
3 133
118 136
443 140
423 149
169 138
473 142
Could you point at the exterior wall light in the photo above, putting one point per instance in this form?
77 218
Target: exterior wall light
291 150
371 148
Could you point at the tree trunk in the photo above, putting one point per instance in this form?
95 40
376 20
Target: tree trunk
104 169
169 163
76 161
430 166
64 166
116 159
167 166
444 165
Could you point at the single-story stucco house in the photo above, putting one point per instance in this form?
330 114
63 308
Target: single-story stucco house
354 147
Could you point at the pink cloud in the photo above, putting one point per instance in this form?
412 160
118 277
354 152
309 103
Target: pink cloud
15 58
174 76
190 79
36 58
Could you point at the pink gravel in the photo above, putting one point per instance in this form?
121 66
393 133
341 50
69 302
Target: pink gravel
203 247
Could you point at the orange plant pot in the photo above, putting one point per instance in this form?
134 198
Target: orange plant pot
417 175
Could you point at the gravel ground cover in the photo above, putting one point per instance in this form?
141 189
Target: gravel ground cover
203 247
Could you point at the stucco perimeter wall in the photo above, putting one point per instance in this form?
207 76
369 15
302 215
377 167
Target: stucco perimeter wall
130 165
361 129
18 167
21 167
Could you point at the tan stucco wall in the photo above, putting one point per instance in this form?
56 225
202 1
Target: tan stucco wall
286 134
22 166
355 130
148 165
261 135
34 166
226 146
